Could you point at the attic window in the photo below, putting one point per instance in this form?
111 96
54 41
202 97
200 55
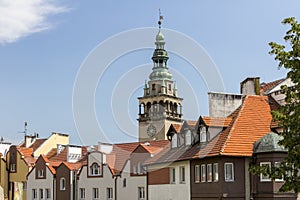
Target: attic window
203 134
40 173
188 138
95 169
12 167
174 141
62 184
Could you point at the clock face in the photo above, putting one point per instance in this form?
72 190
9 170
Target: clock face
151 131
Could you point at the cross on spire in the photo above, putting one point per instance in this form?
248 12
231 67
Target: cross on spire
160 18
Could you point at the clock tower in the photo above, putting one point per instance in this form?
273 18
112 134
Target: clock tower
160 106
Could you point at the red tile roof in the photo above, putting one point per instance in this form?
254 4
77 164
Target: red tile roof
216 121
192 124
177 127
265 87
250 122
37 144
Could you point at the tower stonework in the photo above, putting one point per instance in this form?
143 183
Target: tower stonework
160 106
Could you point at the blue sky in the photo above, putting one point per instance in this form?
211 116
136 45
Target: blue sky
44 43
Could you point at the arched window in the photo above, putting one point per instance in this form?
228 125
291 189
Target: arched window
95 169
174 141
62 183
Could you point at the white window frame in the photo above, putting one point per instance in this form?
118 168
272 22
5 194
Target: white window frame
209 172
277 164
262 177
109 193
41 193
203 134
172 175
13 167
95 193
47 193
81 193
95 169
216 172
174 141
62 183
40 173
203 173
34 193
182 174
188 138
197 174
231 178
141 193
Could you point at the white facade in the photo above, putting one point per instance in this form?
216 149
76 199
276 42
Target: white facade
132 185
173 191
40 185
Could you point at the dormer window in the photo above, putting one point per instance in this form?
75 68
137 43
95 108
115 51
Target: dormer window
12 167
95 169
188 138
203 134
174 141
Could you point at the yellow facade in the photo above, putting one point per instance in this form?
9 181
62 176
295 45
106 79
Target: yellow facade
3 177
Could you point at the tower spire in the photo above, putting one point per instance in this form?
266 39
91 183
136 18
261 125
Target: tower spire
160 19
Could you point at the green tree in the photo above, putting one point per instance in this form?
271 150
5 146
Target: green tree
288 115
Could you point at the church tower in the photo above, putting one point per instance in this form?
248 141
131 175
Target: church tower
160 106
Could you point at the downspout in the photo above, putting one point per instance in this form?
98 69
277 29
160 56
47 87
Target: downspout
116 178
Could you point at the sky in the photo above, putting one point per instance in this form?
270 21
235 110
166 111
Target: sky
45 45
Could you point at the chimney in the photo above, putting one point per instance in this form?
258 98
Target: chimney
30 139
250 86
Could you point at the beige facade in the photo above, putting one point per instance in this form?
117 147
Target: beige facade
3 177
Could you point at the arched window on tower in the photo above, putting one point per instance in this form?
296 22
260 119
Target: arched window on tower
175 108
148 110
142 109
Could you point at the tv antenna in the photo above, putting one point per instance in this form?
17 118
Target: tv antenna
25 129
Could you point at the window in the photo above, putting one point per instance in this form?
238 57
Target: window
172 175
277 165
47 194
153 86
34 194
182 174
141 193
12 167
95 169
81 193
134 169
216 172
40 173
209 173
62 183
109 193
41 194
203 173
188 138
95 193
124 182
140 169
174 141
197 173
229 172
203 134
265 177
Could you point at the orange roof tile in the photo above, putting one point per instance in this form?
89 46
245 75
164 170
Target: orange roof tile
216 121
265 87
192 124
52 153
26 152
177 127
37 144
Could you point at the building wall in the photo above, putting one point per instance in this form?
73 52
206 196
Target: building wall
221 104
34 183
132 184
88 182
174 191
3 177
63 172
215 190
51 142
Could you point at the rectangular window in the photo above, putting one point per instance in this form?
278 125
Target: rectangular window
197 173
216 172
81 193
95 193
277 165
12 167
172 175
109 193
265 177
182 174
203 173
41 194
40 173
209 173
229 172
141 193
174 140
47 194
153 86
34 194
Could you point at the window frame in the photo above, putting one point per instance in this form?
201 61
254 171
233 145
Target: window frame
174 141
172 175
81 193
277 164
47 193
188 138
62 184
141 193
109 193
13 167
182 177
203 132
95 167
41 193
197 174
203 173
34 193
226 179
263 178
215 172
95 193
209 177
40 173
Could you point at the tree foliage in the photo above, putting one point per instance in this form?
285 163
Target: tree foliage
288 115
